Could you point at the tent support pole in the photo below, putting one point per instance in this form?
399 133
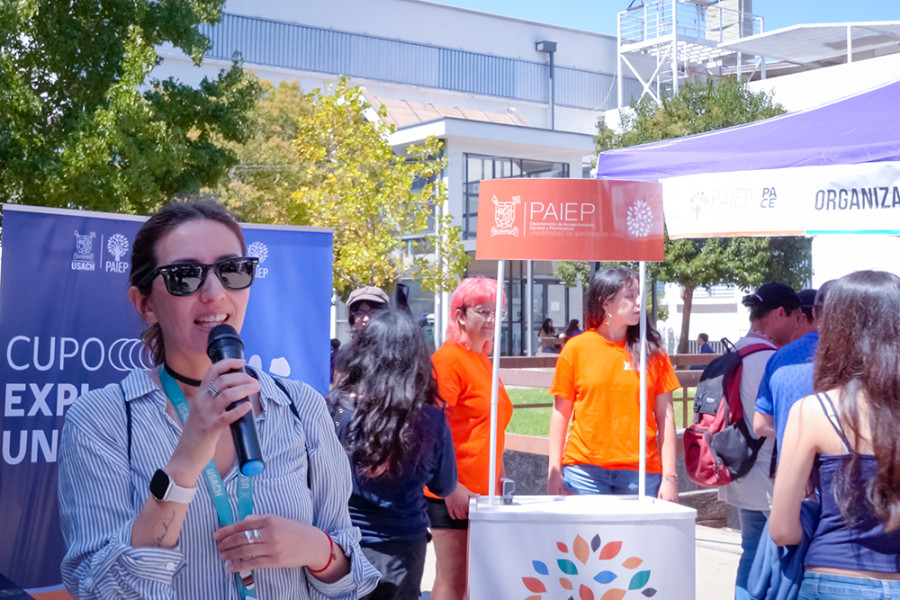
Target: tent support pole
495 381
642 439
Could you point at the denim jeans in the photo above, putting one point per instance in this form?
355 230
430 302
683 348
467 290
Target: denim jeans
825 586
752 524
590 479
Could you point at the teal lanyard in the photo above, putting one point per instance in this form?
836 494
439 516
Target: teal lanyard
244 579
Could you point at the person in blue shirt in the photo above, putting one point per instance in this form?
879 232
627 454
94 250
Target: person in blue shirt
703 341
389 417
789 373
705 348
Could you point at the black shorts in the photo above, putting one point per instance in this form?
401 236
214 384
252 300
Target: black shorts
440 518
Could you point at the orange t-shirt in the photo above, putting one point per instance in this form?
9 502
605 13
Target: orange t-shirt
464 382
598 376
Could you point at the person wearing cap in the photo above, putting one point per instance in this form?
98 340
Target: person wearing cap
807 302
774 314
363 303
789 373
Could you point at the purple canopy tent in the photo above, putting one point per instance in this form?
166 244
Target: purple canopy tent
830 169
858 129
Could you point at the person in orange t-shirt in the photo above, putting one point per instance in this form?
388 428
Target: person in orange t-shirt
598 378
464 382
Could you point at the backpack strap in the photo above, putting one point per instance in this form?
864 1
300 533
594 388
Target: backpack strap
283 388
753 349
127 419
296 412
828 408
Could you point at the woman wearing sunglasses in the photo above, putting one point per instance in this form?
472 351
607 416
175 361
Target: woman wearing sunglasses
152 502
464 373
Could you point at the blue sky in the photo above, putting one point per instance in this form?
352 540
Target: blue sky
600 15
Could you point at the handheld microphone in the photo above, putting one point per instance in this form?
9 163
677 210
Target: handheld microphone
224 342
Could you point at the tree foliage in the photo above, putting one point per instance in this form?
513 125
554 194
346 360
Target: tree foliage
323 159
693 263
81 123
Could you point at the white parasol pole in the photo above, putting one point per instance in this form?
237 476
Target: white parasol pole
495 384
642 439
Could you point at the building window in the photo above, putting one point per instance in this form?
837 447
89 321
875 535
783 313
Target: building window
480 167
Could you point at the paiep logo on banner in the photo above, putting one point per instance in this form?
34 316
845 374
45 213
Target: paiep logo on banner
569 219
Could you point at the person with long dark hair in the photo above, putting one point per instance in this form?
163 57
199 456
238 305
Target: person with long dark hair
152 502
391 422
550 341
845 437
598 379
571 331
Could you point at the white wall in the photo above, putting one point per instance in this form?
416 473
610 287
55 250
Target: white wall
821 86
436 24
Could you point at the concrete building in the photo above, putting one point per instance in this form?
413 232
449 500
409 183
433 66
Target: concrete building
517 98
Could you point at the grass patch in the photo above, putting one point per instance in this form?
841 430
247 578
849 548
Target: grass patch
536 421
530 421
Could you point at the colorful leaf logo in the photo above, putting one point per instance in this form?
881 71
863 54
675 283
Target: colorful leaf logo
581 550
605 577
610 550
534 585
567 566
639 580
540 567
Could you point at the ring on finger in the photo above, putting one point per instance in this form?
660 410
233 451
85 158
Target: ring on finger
213 391
252 535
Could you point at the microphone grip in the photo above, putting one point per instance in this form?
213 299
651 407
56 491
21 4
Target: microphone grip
246 443
224 342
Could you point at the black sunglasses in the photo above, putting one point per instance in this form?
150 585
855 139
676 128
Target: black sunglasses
183 279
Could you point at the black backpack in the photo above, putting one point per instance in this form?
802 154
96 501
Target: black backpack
718 446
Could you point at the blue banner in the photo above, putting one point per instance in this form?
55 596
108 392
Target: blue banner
66 326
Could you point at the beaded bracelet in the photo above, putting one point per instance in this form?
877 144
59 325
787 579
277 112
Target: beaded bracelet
331 556
671 479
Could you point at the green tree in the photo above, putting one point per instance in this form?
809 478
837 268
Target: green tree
323 159
693 263
82 124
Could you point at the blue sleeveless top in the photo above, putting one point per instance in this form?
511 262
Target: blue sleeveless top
865 546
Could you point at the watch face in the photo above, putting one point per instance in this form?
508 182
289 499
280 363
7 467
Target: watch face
159 485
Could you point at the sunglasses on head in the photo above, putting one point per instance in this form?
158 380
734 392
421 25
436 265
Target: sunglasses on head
183 279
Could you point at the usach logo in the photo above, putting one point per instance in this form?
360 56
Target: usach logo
505 216
601 575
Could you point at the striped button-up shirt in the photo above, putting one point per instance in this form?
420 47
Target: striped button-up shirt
101 492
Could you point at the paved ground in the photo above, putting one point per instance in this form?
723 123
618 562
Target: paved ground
717 551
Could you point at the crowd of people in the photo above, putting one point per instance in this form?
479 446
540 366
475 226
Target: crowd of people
154 502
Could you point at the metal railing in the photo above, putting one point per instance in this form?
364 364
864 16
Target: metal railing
317 50
696 20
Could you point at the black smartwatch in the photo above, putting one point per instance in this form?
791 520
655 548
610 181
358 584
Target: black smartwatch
164 489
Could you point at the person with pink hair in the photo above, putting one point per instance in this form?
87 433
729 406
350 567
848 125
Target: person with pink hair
464 372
